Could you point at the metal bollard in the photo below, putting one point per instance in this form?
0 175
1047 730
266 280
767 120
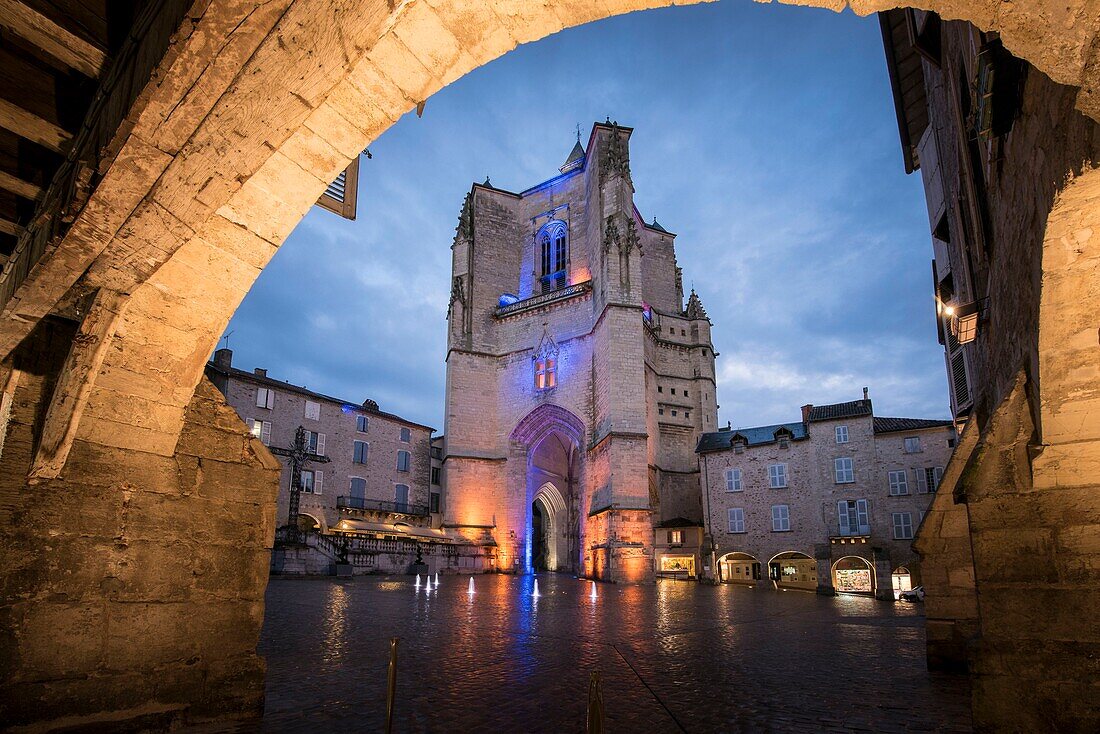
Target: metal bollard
391 688
595 705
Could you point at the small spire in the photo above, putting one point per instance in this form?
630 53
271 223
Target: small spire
578 132
487 182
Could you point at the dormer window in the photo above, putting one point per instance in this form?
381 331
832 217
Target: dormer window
553 249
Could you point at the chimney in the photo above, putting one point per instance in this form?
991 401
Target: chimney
223 358
260 372
865 393
806 412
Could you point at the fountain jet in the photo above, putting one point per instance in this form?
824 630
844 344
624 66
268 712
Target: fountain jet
592 594
535 593
470 587
417 584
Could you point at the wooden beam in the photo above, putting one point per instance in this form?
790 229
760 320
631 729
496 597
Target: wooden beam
74 385
19 187
34 128
9 227
69 49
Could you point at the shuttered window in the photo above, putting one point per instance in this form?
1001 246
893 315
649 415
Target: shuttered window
781 518
736 519
265 398
733 480
360 452
262 431
342 195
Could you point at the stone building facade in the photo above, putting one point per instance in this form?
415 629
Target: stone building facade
828 503
378 464
1009 167
578 381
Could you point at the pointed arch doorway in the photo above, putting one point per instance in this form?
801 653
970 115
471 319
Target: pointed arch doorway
551 439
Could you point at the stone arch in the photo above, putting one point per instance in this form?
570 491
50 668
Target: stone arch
739 567
545 420
557 516
854 585
206 220
793 569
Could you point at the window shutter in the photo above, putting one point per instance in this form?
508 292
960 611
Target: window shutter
271 398
265 433
261 397
937 475
342 195
318 481
842 516
320 444
863 517
922 482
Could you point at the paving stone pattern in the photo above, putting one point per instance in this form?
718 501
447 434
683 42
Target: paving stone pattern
674 657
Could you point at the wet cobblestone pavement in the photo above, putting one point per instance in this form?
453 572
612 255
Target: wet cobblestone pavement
674 657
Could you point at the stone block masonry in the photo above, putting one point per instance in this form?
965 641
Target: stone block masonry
151 583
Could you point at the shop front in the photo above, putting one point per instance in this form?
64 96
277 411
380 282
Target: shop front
739 568
793 570
853 575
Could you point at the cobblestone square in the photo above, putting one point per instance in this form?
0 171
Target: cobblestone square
673 657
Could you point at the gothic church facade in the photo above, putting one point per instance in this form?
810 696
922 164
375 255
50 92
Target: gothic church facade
578 382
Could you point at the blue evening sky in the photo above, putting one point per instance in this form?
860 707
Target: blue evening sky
764 136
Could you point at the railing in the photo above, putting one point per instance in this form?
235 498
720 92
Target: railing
545 298
396 508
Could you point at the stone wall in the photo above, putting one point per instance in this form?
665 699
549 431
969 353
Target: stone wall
134 583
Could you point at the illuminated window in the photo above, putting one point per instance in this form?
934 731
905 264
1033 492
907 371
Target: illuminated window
403 458
781 518
842 434
406 435
675 537
899 482
262 431
733 480
777 476
546 373
844 470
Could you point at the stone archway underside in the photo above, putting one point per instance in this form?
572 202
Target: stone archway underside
255 109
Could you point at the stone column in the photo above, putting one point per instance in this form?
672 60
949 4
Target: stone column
823 554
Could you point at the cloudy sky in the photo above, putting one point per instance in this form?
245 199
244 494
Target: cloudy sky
764 136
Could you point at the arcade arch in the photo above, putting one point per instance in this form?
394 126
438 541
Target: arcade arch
854 575
793 570
204 185
739 568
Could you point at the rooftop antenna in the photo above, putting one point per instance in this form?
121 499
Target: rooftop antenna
226 339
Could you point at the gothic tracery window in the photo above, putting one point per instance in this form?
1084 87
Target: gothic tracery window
553 251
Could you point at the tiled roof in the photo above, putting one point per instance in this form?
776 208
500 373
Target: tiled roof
753 436
368 406
852 409
889 425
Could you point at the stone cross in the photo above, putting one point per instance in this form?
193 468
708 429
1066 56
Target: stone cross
298 454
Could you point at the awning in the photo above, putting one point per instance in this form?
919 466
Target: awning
351 525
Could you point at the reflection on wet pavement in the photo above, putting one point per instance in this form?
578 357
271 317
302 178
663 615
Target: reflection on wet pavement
673 657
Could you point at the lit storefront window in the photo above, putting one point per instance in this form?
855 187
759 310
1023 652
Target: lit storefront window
678 564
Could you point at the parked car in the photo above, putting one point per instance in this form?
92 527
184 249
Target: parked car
913 595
